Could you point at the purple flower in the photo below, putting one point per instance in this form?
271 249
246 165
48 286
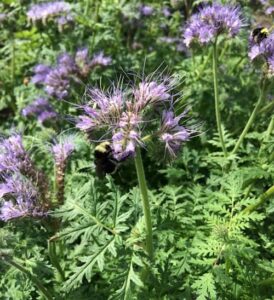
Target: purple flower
263 51
15 159
211 21
66 63
83 61
146 10
21 198
100 60
57 82
125 140
103 109
122 116
82 57
41 71
166 11
173 134
271 64
44 11
151 92
46 115
40 108
13 155
269 10
62 150
63 20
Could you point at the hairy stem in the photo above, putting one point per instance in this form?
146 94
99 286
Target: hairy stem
252 117
262 199
216 96
33 278
144 191
54 259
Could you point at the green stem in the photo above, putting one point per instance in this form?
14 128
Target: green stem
266 108
144 191
12 66
263 92
96 18
269 129
262 199
54 259
267 135
32 277
216 96
204 65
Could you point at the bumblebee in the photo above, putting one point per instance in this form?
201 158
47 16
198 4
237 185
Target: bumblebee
104 161
259 34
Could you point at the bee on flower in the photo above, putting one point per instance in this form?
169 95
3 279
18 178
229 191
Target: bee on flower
125 117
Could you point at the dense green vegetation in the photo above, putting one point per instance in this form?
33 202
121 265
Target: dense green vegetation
188 211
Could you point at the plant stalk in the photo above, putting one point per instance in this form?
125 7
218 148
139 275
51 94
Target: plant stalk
146 208
54 260
262 199
263 92
32 277
216 96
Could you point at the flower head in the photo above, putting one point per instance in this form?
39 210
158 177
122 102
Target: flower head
41 71
211 21
57 79
127 136
84 63
270 10
100 60
125 117
103 109
263 51
82 57
172 133
146 10
151 92
166 11
57 83
45 11
66 63
13 155
22 198
40 108
62 150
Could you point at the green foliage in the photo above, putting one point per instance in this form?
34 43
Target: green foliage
209 241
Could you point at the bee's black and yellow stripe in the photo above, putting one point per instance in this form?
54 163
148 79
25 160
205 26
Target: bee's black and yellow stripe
104 161
259 34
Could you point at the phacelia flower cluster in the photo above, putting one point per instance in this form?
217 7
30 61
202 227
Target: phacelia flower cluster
270 10
21 196
23 188
211 21
263 51
146 10
59 11
41 109
124 117
61 151
57 79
